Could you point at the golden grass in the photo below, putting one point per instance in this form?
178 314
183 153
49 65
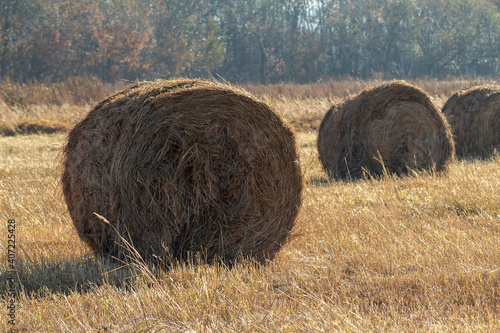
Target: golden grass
45 126
69 101
414 254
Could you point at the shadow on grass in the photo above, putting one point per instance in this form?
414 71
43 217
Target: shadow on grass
82 274
76 274
490 154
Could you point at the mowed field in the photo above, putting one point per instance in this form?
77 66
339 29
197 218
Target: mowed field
412 254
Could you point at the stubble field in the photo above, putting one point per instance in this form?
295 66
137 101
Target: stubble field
413 254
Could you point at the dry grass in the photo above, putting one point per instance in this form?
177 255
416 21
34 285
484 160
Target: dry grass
33 127
412 254
69 101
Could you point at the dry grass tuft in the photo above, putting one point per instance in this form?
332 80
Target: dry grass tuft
392 128
182 167
45 126
474 116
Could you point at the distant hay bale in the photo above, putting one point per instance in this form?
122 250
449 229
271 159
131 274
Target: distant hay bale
391 128
474 117
182 167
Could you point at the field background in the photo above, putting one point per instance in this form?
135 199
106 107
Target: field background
415 254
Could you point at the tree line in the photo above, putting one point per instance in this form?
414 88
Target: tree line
262 41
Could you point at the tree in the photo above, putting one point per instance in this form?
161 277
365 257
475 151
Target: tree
248 40
401 47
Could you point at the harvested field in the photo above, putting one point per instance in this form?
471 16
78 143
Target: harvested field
389 254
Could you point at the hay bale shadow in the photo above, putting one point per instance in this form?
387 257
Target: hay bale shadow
79 274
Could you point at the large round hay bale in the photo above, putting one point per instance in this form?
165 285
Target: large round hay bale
183 167
391 128
474 117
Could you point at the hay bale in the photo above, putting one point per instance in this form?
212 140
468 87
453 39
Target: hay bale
474 117
183 166
391 128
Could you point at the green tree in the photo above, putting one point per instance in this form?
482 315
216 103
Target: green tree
210 50
402 29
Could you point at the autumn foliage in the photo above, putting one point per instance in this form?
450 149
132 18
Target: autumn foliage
248 41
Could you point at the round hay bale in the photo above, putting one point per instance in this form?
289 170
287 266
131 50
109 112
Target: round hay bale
182 167
391 128
474 117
